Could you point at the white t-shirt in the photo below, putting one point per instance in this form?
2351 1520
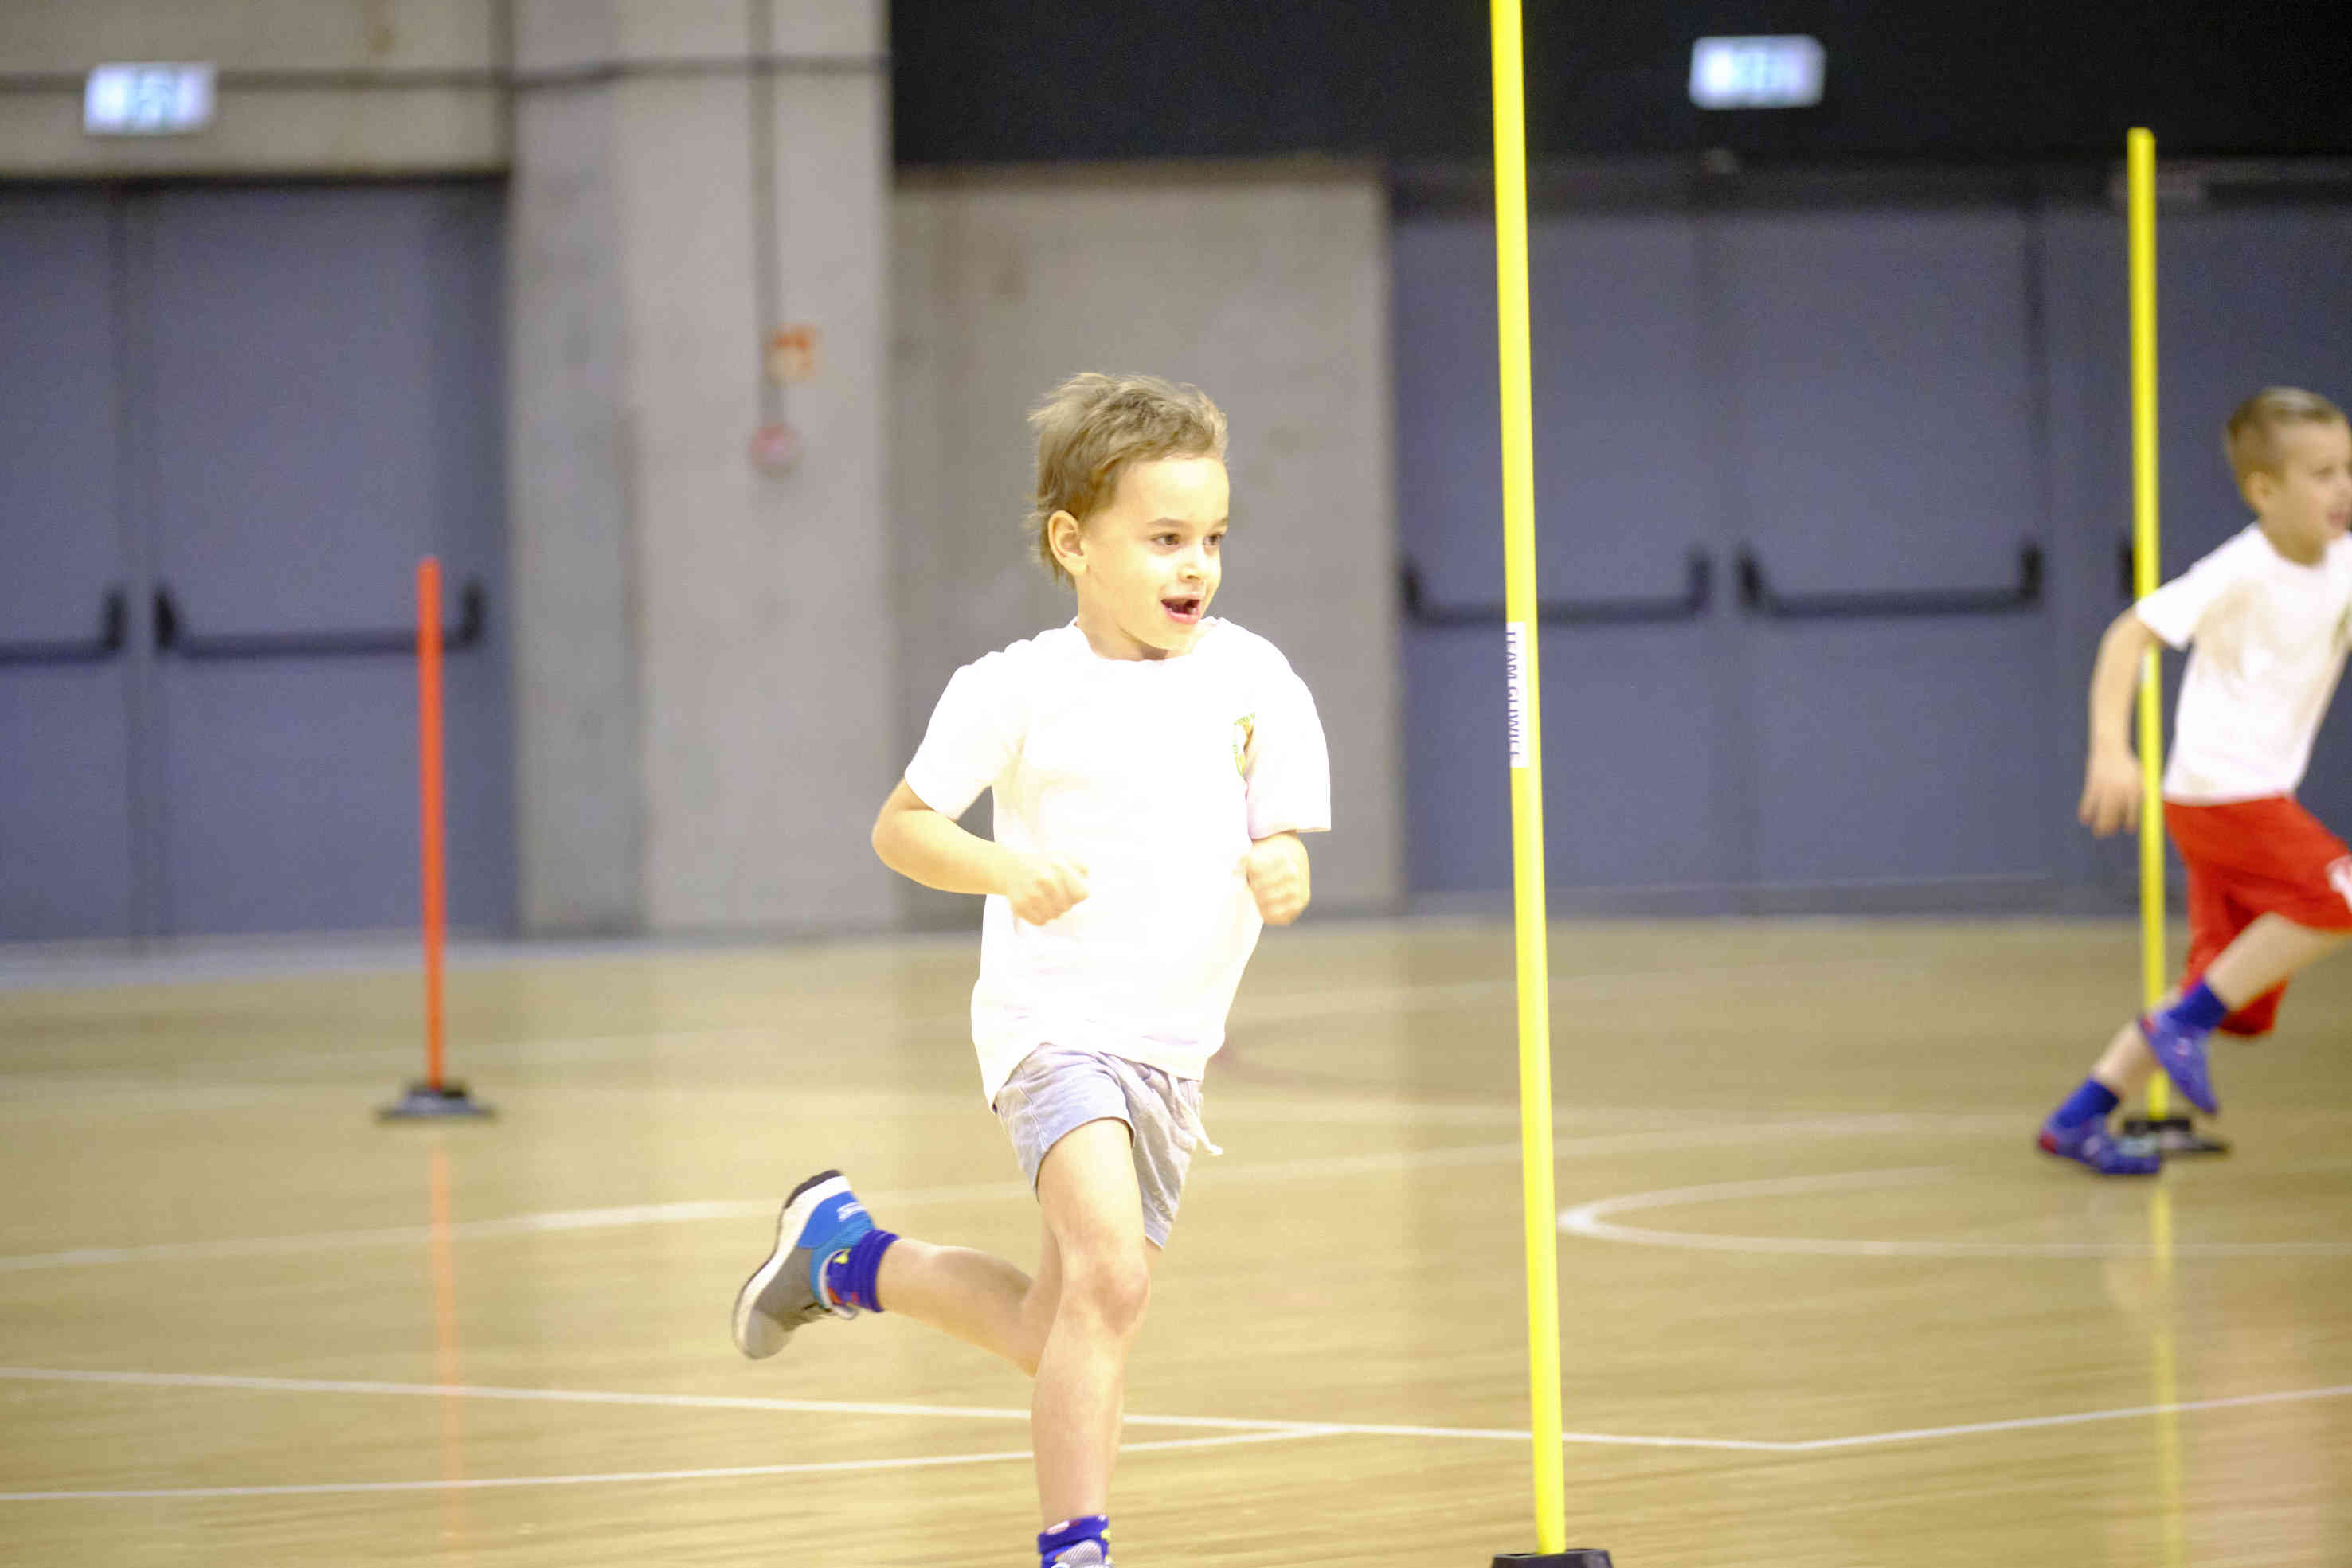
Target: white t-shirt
2269 637
1155 775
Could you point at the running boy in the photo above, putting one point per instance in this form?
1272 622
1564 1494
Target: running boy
1153 767
2270 889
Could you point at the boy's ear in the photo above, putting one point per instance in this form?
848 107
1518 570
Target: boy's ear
1068 539
2260 485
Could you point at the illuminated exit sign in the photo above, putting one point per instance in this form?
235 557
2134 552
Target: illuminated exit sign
147 100
1784 72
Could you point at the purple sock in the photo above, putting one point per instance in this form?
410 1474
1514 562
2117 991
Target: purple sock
849 1274
2200 1009
2091 1102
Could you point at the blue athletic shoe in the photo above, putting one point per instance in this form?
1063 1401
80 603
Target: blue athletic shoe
2180 1050
2090 1144
820 1218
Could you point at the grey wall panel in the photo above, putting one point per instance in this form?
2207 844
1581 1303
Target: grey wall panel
65 860
1631 761
319 420
1880 364
325 389
1448 453
1624 482
2249 297
1882 368
2087 369
290 800
1625 488
1889 398
1456 777
1899 757
66 867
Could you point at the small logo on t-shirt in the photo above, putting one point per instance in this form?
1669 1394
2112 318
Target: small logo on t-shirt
1245 732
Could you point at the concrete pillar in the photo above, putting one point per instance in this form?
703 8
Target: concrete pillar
704 668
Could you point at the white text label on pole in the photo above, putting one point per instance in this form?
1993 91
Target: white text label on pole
1515 675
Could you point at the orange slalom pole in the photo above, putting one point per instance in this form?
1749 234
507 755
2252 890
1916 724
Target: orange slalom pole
428 781
436 1096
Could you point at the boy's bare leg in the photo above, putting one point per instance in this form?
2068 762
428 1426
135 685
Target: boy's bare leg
2266 952
2126 1065
1094 1216
976 1297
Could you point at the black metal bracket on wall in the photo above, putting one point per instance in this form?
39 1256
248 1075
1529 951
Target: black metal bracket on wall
173 636
113 632
1758 598
1698 593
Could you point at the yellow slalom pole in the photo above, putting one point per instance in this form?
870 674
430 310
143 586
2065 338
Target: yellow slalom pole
2139 165
1527 771
2139 179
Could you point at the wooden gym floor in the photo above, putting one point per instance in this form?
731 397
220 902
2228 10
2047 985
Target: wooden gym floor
1823 1306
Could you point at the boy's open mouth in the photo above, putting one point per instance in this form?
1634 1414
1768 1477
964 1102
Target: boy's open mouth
1187 611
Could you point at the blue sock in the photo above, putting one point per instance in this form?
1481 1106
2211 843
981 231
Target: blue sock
2200 1009
1071 1533
2091 1102
849 1273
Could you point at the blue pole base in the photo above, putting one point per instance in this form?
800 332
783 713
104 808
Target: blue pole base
422 1103
1574 1557
2171 1135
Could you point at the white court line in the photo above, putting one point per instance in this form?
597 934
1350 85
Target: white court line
1270 1008
1590 1219
559 1221
920 1462
2027 1423
1238 1430
390 1236
555 1221
802 1407
1293 1007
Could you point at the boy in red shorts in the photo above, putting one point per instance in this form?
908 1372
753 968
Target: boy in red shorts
2270 616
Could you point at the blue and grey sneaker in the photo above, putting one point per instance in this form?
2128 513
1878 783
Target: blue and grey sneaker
2180 1050
2090 1144
1080 1543
820 1218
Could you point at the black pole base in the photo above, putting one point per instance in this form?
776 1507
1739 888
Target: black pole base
1574 1557
2170 1136
424 1103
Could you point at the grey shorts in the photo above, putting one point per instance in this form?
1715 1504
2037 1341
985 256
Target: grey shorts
1056 1090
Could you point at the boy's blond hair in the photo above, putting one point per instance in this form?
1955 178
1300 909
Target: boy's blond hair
2250 436
1092 426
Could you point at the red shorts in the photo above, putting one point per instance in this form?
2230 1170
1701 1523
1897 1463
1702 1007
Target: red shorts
2250 858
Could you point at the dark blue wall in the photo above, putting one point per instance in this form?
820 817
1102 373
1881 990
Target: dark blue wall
261 405
1884 398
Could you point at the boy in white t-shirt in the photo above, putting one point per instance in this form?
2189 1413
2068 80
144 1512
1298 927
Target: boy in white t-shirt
1152 769
2269 615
